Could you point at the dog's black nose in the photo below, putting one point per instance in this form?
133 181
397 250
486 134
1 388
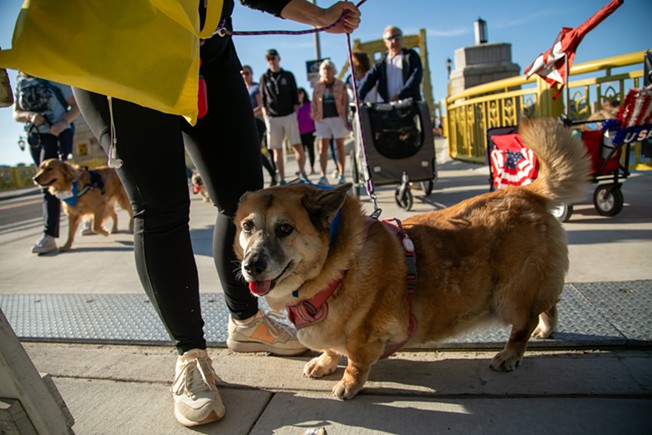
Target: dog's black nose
255 265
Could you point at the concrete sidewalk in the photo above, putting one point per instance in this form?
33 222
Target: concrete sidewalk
125 389
602 387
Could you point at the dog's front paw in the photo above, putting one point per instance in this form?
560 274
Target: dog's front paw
344 389
506 361
320 366
64 248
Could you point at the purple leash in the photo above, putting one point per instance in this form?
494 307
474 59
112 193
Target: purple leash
223 31
369 184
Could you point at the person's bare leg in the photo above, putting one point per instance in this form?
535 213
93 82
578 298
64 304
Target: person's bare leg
323 155
341 157
280 165
301 157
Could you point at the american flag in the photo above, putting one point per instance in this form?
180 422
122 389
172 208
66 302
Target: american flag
512 163
550 65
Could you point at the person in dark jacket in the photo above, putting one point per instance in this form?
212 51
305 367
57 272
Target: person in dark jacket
280 103
225 148
398 74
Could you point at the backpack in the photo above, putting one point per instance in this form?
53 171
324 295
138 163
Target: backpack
57 93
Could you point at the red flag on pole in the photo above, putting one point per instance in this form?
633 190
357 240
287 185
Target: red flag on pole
550 65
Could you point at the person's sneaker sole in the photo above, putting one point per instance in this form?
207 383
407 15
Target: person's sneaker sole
250 346
44 251
189 423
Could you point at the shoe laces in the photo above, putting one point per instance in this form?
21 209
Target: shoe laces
273 321
195 377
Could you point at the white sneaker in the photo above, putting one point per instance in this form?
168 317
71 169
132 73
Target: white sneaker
196 399
45 245
263 333
86 229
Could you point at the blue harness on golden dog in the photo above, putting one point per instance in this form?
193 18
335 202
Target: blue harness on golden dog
74 193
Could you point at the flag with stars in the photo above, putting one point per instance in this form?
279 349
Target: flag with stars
551 64
512 163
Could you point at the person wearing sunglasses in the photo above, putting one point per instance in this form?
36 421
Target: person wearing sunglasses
280 102
397 74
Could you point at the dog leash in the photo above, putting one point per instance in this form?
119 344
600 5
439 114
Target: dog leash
223 31
369 184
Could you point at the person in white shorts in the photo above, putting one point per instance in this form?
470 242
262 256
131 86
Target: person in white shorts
280 104
330 103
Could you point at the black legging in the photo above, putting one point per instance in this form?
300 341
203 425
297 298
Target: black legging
308 142
225 148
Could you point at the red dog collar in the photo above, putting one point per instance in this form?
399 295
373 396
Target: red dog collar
313 310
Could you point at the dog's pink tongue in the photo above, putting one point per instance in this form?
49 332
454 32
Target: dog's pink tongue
260 287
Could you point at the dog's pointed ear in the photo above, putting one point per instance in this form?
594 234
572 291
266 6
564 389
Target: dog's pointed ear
323 205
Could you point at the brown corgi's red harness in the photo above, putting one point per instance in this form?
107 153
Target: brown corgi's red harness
314 310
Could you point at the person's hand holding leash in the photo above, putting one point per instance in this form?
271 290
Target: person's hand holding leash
58 127
308 13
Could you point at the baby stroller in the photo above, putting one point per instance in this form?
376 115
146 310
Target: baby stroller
400 148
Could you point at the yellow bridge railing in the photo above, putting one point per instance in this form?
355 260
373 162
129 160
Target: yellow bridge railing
504 102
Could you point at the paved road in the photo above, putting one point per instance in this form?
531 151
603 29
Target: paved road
20 211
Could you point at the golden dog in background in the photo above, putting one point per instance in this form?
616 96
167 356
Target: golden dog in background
95 196
498 256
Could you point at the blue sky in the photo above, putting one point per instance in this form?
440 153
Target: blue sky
530 27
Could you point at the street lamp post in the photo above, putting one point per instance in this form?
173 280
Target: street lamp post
317 45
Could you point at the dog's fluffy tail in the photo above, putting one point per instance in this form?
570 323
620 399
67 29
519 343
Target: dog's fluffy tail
564 166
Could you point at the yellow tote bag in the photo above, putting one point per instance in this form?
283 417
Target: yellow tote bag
142 51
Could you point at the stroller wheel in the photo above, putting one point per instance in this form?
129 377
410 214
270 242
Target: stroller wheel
562 212
427 186
404 198
608 199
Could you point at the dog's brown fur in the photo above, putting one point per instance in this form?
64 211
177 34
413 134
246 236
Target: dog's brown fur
57 176
501 256
198 187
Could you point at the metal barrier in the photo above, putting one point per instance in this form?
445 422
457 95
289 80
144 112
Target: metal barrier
504 102
16 177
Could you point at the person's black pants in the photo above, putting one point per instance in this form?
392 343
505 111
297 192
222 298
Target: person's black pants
308 142
47 146
225 149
